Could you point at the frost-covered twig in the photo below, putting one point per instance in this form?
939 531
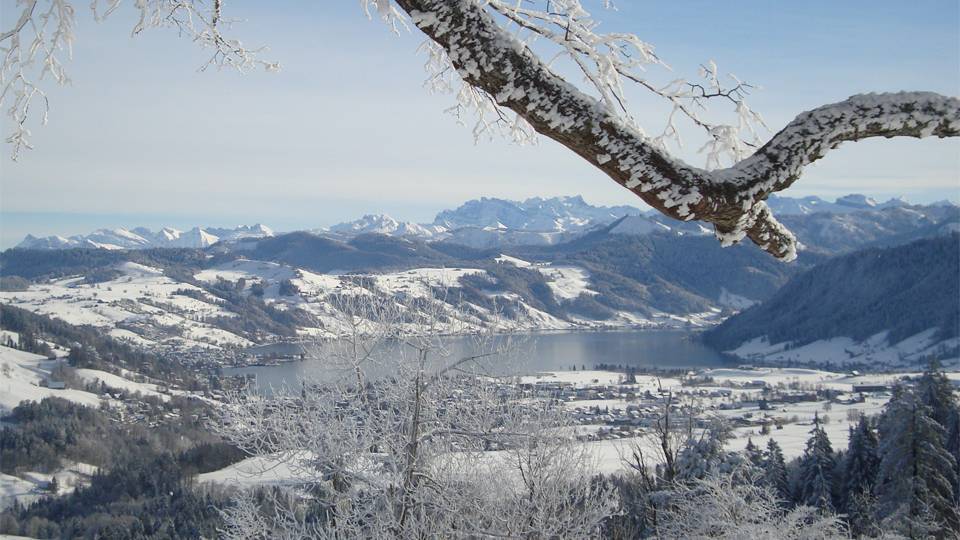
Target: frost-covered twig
725 507
41 40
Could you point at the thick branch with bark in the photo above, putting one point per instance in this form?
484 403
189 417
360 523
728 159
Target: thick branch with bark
491 59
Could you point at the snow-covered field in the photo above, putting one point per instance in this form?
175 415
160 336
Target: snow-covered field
838 352
140 297
117 382
255 471
30 486
21 374
567 282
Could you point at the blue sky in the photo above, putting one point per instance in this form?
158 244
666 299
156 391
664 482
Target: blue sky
141 137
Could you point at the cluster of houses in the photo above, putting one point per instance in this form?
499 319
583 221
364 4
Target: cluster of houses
624 410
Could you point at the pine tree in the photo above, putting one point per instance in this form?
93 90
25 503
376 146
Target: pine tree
815 482
915 484
953 447
707 454
775 470
937 392
754 454
861 463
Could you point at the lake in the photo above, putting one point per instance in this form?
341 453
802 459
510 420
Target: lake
666 349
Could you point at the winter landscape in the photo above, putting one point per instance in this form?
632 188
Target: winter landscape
286 297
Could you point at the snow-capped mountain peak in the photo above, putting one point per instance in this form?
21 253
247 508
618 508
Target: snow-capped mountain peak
384 224
857 200
143 238
557 214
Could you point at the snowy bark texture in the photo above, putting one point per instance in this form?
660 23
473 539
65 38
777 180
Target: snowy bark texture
490 58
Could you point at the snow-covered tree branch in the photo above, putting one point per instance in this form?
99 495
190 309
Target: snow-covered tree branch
496 56
489 57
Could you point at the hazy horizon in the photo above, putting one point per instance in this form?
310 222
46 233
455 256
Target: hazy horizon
49 224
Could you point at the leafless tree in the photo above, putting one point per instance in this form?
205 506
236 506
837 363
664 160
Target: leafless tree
482 50
406 439
720 506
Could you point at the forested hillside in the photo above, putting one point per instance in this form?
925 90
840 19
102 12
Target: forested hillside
904 290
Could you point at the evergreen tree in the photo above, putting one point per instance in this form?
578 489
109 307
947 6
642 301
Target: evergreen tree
953 447
915 484
937 392
775 470
754 454
707 455
862 461
815 480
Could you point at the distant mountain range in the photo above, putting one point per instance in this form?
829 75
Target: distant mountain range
598 267
489 223
143 238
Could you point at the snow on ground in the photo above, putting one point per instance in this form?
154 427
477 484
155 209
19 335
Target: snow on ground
7 336
704 318
131 337
255 471
579 379
139 296
771 376
506 259
217 336
838 352
567 282
119 383
13 488
793 436
733 401
247 270
735 301
30 486
20 377
419 280
149 309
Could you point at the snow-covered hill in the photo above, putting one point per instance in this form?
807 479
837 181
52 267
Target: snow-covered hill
21 376
880 307
878 351
148 308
